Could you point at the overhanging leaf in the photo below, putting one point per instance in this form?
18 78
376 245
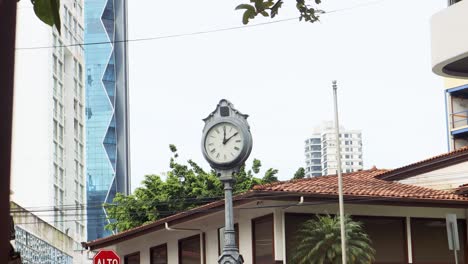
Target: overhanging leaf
246 17
275 8
245 6
48 12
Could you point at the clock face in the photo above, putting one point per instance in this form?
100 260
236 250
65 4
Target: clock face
224 142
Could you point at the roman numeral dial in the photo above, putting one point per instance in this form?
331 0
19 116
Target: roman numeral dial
223 142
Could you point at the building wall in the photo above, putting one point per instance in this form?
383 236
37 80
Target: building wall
106 109
38 241
443 179
457 105
210 224
47 155
33 113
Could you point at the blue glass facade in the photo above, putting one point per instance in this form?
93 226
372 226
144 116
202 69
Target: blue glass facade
107 158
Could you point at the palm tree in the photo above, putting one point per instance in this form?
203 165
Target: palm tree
319 242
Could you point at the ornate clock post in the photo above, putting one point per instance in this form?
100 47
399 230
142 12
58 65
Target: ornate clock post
226 145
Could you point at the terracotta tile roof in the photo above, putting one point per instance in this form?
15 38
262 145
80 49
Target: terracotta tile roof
360 184
433 163
160 224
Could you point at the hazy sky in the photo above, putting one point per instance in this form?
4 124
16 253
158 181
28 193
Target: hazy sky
280 74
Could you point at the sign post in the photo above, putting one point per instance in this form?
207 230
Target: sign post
106 257
452 234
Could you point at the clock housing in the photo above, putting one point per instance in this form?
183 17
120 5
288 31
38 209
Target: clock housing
236 144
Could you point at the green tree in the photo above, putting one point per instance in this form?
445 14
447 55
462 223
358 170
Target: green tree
319 242
270 176
300 174
185 187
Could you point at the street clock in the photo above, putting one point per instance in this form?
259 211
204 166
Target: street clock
226 140
226 145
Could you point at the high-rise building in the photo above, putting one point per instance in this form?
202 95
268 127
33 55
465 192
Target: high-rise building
450 60
107 145
320 151
48 158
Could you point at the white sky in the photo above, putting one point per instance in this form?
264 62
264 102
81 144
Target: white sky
280 74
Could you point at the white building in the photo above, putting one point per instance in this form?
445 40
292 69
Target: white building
39 242
450 60
406 223
320 151
48 140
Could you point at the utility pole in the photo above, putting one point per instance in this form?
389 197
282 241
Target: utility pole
340 177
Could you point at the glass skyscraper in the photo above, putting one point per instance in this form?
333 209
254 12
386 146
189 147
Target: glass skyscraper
107 144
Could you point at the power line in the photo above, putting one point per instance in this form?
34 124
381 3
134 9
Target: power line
195 200
169 213
192 33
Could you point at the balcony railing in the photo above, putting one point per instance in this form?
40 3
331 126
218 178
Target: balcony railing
459 119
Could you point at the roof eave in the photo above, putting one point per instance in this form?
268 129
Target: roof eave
423 167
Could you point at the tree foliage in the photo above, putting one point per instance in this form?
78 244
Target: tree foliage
319 242
270 8
185 186
48 11
300 174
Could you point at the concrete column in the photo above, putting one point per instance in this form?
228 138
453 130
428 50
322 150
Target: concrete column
278 234
408 239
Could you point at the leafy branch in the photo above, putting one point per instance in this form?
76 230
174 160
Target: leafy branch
48 11
270 8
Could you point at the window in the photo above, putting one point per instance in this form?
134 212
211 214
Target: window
54 66
132 258
76 190
56 173
55 130
292 225
60 134
190 250
158 255
221 238
81 193
430 241
61 176
262 235
66 16
74 27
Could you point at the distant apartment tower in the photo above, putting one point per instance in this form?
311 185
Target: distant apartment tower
48 158
320 151
107 146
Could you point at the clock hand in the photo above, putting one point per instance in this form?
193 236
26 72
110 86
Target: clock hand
225 141
224 137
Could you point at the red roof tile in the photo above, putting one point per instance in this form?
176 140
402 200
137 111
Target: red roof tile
362 183
357 184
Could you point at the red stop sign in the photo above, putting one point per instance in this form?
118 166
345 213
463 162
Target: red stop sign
106 257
